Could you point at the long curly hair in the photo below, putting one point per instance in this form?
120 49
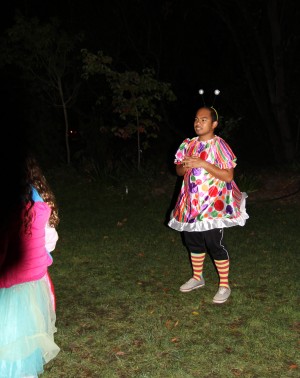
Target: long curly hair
21 175
34 177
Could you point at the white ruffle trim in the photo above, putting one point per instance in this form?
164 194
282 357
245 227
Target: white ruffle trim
211 224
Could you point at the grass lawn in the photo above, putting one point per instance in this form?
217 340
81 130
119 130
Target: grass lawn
117 272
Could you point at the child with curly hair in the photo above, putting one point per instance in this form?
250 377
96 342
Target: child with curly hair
27 299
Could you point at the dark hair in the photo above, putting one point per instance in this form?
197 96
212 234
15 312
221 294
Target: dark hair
34 177
213 112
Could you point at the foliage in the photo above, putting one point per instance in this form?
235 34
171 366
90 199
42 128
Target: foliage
44 53
135 98
228 126
97 152
248 182
265 41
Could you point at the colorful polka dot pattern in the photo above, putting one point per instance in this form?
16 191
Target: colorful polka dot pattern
204 197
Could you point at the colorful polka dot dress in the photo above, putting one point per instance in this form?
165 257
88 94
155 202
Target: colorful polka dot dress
205 202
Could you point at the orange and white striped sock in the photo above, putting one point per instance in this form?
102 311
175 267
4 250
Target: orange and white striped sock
223 270
197 263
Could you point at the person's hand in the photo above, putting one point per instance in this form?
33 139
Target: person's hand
190 162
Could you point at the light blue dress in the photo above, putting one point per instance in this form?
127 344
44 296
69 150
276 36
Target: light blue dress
27 327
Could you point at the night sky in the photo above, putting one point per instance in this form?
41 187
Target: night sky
187 42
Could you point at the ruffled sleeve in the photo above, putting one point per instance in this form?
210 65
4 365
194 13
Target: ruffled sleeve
225 158
180 154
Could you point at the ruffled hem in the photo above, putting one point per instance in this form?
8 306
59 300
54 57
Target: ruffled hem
27 321
210 224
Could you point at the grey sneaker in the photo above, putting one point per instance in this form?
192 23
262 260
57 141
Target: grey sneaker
222 295
192 284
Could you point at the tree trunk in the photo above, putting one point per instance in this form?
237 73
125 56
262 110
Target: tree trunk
267 88
279 97
61 94
257 89
138 140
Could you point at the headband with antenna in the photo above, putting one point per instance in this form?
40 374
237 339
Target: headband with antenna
216 92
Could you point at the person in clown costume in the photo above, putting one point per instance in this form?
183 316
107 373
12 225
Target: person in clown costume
208 202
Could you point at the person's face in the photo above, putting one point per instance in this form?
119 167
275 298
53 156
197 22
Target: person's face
203 124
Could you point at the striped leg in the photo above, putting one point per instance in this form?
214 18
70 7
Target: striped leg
197 263
223 271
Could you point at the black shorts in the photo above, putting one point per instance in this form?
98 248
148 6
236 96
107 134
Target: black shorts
210 241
